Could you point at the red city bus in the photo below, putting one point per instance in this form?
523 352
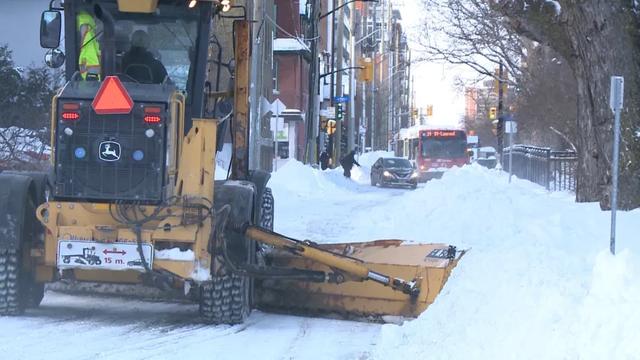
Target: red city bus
434 150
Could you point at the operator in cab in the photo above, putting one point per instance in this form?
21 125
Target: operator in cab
89 53
140 64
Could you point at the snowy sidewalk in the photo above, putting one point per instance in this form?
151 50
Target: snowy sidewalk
538 282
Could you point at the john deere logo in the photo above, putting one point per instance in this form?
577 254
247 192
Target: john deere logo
109 151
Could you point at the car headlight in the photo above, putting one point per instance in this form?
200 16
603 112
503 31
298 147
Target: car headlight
386 173
414 175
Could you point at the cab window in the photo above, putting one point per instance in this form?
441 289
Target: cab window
149 48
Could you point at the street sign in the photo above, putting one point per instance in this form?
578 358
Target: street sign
510 127
329 113
616 101
265 106
277 107
341 99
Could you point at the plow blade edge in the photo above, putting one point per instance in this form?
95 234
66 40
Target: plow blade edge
428 265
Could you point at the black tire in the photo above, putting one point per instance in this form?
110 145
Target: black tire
12 289
18 288
225 300
267 209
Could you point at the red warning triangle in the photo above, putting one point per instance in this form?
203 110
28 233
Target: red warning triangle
112 98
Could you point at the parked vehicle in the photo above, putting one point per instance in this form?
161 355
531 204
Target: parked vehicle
487 157
394 172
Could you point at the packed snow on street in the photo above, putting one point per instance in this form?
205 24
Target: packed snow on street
538 281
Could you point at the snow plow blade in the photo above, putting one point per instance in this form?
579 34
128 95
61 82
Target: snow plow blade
424 267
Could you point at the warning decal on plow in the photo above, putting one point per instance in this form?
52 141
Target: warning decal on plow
95 255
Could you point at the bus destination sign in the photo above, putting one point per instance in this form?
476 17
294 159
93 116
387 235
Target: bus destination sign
441 133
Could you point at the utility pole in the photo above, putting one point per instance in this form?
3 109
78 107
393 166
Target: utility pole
373 82
337 141
351 123
311 155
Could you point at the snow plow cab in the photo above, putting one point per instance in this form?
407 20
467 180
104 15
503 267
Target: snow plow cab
132 197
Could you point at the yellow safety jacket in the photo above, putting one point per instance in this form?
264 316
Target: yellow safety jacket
89 58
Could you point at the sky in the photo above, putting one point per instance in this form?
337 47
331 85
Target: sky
434 82
20 27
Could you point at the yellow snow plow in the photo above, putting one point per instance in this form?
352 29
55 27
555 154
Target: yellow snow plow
133 198
368 279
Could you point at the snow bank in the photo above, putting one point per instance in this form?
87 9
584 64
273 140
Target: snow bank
367 159
537 283
175 254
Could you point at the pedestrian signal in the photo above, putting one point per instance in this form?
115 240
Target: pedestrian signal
331 127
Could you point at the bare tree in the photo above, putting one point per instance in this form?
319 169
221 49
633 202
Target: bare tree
546 99
471 33
598 39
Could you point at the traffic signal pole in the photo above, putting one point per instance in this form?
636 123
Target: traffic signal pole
500 92
500 112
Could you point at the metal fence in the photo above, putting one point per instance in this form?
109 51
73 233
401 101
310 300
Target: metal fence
555 170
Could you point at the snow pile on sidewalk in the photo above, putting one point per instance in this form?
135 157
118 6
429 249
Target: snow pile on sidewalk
538 281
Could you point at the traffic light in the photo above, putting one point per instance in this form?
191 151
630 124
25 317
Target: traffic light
339 111
414 113
331 126
366 72
429 110
493 111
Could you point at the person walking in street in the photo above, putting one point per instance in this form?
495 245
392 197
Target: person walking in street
324 160
347 163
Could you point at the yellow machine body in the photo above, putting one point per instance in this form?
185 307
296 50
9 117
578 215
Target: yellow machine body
377 278
94 222
366 299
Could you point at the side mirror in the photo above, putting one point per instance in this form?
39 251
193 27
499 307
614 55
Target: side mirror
54 58
50 27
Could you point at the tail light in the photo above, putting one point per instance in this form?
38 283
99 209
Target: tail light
70 116
70 111
152 114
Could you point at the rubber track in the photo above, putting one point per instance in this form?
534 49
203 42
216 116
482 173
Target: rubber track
223 300
10 303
